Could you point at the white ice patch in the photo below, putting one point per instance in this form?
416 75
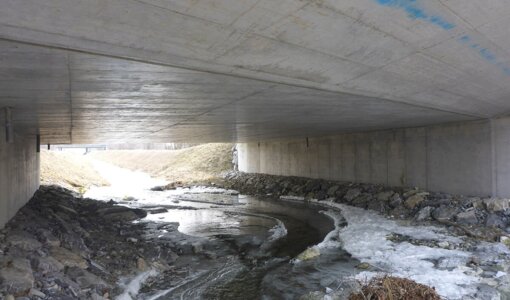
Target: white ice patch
365 238
292 198
277 232
132 288
332 238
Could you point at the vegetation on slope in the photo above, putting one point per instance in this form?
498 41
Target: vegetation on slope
198 163
70 170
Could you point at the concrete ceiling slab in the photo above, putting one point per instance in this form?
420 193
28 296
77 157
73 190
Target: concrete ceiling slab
221 70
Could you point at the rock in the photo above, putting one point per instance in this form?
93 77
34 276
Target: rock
467 217
495 220
395 200
23 241
321 195
362 200
197 248
95 296
478 204
47 264
86 279
351 194
313 296
424 213
132 240
312 186
414 201
10 297
505 240
363 266
309 253
332 190
400 212
159 210
48 238
141 265
121 213
68 258
67 209
36 293
377 206
384 196
496 204
17 276
444 213
443 244
410 193
450 263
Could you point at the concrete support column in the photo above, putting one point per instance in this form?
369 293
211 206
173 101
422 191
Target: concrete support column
19 174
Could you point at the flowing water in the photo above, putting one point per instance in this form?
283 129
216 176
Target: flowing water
252 244
266 235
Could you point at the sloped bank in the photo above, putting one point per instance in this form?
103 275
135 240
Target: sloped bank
62 246
460 255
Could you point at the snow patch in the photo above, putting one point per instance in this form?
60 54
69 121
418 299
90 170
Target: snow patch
365 238
132 288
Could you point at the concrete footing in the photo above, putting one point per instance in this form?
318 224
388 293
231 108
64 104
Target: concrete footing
470 158
19 174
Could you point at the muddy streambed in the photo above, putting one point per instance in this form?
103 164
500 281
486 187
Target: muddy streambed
256 248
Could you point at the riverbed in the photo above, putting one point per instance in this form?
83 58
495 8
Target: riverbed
256 244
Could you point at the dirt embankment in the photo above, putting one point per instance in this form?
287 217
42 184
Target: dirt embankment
69 170
194 164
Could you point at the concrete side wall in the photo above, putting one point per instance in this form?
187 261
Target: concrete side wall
19 174
471 158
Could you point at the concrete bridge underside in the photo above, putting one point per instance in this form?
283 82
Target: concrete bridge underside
400 92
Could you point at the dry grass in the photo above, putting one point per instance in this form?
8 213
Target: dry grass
70 170
198 163
394 288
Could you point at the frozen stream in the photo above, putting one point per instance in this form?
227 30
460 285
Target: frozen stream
268 234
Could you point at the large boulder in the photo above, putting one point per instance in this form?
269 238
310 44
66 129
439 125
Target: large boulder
395 200
362 200
444 213
68 258
467 217
496 204
16 275
86 279
309 253
495 220
384 196
121 213
23 241
413 201
351 194
424 214
332 190
47 264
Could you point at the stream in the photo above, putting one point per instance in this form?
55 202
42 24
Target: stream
258 248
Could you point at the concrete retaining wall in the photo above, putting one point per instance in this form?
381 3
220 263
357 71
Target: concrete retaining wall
471 158
19 174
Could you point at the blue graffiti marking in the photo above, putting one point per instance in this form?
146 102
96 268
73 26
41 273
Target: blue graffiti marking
485 54
465 39
414 11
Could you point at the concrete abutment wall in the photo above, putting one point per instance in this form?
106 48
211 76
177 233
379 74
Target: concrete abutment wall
470 158
19 174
